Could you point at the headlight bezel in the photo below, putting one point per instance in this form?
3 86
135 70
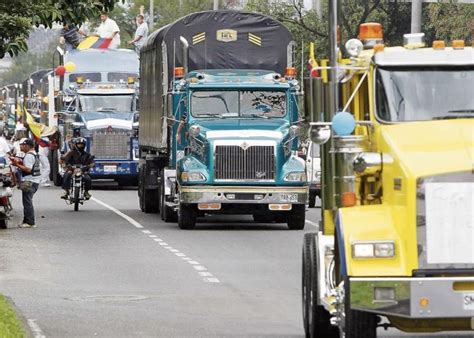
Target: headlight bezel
373 249
295 176
193 176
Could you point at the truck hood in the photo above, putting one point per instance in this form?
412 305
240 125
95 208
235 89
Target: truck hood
264 129
431 147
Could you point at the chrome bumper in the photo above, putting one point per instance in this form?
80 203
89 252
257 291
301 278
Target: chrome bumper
429 297
243 194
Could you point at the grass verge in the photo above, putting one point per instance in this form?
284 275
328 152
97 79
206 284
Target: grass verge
10 323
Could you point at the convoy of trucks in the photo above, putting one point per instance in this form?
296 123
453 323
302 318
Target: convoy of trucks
396 234
219 120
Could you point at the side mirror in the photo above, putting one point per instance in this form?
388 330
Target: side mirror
135 125
319 133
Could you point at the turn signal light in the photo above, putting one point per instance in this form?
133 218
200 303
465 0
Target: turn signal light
131 80
290 72
438 44
179 72
279 206
458 44
79 80
209 206
348 199
380 47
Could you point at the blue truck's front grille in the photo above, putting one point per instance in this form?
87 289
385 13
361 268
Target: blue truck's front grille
255 163
110 145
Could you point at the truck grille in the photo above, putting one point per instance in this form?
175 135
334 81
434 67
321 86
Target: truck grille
110 145
255 163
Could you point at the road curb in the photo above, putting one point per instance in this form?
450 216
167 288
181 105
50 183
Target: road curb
21 317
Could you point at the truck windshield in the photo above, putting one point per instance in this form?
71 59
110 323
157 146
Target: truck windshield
106 103
244 104
424 94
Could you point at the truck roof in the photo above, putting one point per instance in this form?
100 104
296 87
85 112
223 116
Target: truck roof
223 39
231 77
399 56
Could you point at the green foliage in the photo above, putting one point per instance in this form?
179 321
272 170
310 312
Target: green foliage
440 21
18 17
10 325
26 63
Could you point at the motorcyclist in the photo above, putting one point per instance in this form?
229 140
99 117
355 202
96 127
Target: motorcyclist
78 156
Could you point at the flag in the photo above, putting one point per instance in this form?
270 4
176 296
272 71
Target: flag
312 63
94 42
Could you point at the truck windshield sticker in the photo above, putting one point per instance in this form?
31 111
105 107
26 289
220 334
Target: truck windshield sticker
243 104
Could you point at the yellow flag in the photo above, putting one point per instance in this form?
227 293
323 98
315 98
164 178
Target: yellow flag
88 42
34 127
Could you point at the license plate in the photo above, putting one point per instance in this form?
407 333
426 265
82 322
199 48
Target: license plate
110 169
468 301
289 198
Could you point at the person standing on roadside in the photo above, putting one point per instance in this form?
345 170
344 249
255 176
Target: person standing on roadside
140 34
108 29
30 179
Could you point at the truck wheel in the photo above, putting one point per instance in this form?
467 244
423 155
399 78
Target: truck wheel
186 216
316 318
148 197
312 200
296 217
4 223
358 324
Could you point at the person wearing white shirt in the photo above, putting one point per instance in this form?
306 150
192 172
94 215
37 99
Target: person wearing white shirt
5 147
108 29
140 34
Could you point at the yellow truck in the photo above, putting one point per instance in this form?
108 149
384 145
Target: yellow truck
395 246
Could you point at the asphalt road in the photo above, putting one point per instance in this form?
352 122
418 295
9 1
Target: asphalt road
110 270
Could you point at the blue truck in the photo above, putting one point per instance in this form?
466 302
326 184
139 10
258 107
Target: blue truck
100 103
219 121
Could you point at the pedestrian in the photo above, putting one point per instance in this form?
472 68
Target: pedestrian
5 147
108 29
140 34
30 170
70 36
43 152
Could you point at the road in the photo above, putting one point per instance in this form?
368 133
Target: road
110 270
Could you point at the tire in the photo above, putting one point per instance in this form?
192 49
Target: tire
316 319
186 216
296 217
140 189
149 197
4 223
76 199
312 200
55 176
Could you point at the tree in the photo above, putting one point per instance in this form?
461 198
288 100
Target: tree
18 17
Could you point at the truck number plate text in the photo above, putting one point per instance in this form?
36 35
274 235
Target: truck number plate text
289 198
111 169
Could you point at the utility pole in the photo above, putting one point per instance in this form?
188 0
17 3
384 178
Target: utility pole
416 16
318 8
216 5
151 15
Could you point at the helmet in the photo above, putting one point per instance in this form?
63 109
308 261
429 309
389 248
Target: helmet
79 140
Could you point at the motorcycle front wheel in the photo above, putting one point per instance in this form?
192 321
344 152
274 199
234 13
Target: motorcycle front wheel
76 199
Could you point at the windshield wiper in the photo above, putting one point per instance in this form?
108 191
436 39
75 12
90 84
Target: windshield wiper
456 114
106 109
461 111
261 116
217 116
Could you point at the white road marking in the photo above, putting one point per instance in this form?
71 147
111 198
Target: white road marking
118 212
201 269
205 274
35 329
312 223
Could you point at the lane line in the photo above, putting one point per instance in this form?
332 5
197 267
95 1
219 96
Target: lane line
202 270
118 212
312 223
35 329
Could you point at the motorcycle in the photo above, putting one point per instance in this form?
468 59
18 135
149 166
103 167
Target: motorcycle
77 188
6 193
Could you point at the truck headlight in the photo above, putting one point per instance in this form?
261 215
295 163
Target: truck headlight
373 250
192 176
295 177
